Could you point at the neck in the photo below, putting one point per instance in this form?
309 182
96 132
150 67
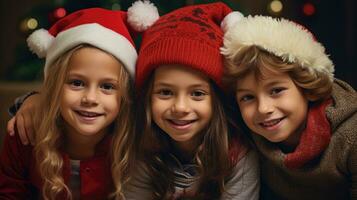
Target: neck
289 145
80 147
185 151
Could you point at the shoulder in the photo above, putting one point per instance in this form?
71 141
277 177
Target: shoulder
246 167
139 184
342 114
244 182
13 145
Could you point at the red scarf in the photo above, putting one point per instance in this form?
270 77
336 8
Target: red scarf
315 138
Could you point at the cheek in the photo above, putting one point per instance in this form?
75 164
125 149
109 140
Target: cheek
156 110
68 98
112 103
207 110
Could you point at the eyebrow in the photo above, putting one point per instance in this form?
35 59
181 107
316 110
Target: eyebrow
242 90
79 75
174 85
274 82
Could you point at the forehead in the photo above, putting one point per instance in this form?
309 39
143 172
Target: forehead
264 77
177 72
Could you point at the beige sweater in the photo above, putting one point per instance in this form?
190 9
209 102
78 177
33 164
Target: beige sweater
331 176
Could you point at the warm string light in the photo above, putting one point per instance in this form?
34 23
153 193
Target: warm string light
59 13
275 7
308 9
28 24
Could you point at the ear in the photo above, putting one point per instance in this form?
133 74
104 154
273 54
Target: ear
310 97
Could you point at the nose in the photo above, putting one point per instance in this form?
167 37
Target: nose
265 106
180 105
90 97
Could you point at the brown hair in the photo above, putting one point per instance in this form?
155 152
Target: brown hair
49 136
212 157
316 86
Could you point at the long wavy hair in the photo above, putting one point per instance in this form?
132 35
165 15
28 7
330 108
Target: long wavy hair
49 137
215 156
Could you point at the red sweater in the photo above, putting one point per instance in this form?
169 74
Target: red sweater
19 178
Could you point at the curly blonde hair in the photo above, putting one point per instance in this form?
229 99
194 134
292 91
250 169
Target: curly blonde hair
316 86
49 136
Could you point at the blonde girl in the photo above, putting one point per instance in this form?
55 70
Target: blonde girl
82 147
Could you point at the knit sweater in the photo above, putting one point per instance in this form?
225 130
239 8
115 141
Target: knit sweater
330 175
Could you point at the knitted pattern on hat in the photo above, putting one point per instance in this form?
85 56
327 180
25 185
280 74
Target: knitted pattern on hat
189 36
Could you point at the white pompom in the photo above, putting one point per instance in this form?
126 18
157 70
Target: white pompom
230 20
39 42
142 14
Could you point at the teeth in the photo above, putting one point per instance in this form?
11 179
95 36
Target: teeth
271 123
88 114
181 122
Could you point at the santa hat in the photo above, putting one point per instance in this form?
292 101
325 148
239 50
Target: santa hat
283 38
190 36
105 29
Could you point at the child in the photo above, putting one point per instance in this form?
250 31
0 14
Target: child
188 151
85 116
303 121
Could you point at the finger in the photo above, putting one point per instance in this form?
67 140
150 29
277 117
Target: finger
11 126
20 124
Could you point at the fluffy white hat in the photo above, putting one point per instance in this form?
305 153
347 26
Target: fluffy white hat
283 38
105 29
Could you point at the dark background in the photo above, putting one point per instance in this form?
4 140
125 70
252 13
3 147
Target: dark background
333 23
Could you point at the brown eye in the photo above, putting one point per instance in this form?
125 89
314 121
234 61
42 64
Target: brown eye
76 83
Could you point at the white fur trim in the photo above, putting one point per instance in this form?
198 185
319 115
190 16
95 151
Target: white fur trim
230 20
95 35
282 38
142 14
39 41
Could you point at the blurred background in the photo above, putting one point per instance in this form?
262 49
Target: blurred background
333 22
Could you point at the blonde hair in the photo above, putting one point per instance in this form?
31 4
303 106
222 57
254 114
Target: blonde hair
212 157
49 135
316 86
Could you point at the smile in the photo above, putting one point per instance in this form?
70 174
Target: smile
181 124
271 123
87 116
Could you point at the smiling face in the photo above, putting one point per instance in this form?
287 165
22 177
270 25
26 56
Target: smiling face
272 106
90 96
181 104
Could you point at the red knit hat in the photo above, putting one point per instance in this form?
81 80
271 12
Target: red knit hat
105 29
189 36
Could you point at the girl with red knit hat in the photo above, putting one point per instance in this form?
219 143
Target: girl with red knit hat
187 147
303 121
84 121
